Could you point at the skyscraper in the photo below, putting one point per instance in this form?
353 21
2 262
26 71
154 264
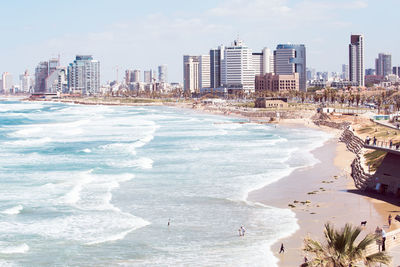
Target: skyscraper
356 59
204 71
263 62
215 66
289 59
136 76
149 76
84 75
383 64
237 71
41 73
191 74
162 73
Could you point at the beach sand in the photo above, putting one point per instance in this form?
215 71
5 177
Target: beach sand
331 201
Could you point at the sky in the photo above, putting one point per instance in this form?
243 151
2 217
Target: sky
131 34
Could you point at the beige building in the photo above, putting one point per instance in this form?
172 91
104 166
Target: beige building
276 83
271 102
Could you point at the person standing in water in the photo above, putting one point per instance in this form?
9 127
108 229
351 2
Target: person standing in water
282 250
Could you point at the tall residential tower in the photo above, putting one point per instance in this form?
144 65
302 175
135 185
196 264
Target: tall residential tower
356 59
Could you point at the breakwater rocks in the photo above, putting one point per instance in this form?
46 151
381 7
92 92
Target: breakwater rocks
332 124
355 144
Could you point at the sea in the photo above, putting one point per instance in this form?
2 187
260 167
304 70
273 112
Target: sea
95 185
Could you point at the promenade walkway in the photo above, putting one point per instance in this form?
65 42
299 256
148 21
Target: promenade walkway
383 146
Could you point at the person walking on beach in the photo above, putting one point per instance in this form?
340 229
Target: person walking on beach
374 141
391 144
390 220
282 250
169 222
383 239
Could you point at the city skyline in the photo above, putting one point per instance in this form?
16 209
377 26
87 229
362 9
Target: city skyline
144 36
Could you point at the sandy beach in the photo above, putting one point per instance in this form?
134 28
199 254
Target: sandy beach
326 186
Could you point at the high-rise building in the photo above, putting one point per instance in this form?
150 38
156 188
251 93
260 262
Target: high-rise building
54 63
136 76
204 71
7 82
162 73
383 64
128 76
396 71
215 66
237 71
345 72
356 59
57 81
149 76
289 59
25 82
84 75
41 73
263 62
191 75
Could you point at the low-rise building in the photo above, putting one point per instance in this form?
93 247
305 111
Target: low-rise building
277 82
271 102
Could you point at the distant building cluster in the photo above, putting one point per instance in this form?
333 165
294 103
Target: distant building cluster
236 68
233 69
354 74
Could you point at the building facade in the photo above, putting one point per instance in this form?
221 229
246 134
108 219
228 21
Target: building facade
215 66
396 71
345 72
84 75
204 71
237 71
25 82
162 73
191 75
356 59
383 64
277 82
289 59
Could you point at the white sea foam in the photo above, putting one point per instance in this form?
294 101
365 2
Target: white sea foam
9 249
87 150
29 142
14 210
142 163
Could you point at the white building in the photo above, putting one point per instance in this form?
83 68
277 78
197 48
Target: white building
263 62
25 82
191 74
237 70
7 82
57 81
204 71
356 59
149 76
84 75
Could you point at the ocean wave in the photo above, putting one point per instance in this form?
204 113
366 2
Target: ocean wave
142 163
29 142
14 210
9 249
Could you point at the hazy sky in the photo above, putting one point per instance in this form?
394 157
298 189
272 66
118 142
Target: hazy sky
144 34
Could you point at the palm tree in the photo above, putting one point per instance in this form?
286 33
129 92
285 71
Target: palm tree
340 249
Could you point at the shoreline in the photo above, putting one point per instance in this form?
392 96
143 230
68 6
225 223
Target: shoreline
326 185
334 161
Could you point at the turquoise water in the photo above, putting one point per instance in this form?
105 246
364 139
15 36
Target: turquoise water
96 186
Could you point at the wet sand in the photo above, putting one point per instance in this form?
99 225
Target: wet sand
326 186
